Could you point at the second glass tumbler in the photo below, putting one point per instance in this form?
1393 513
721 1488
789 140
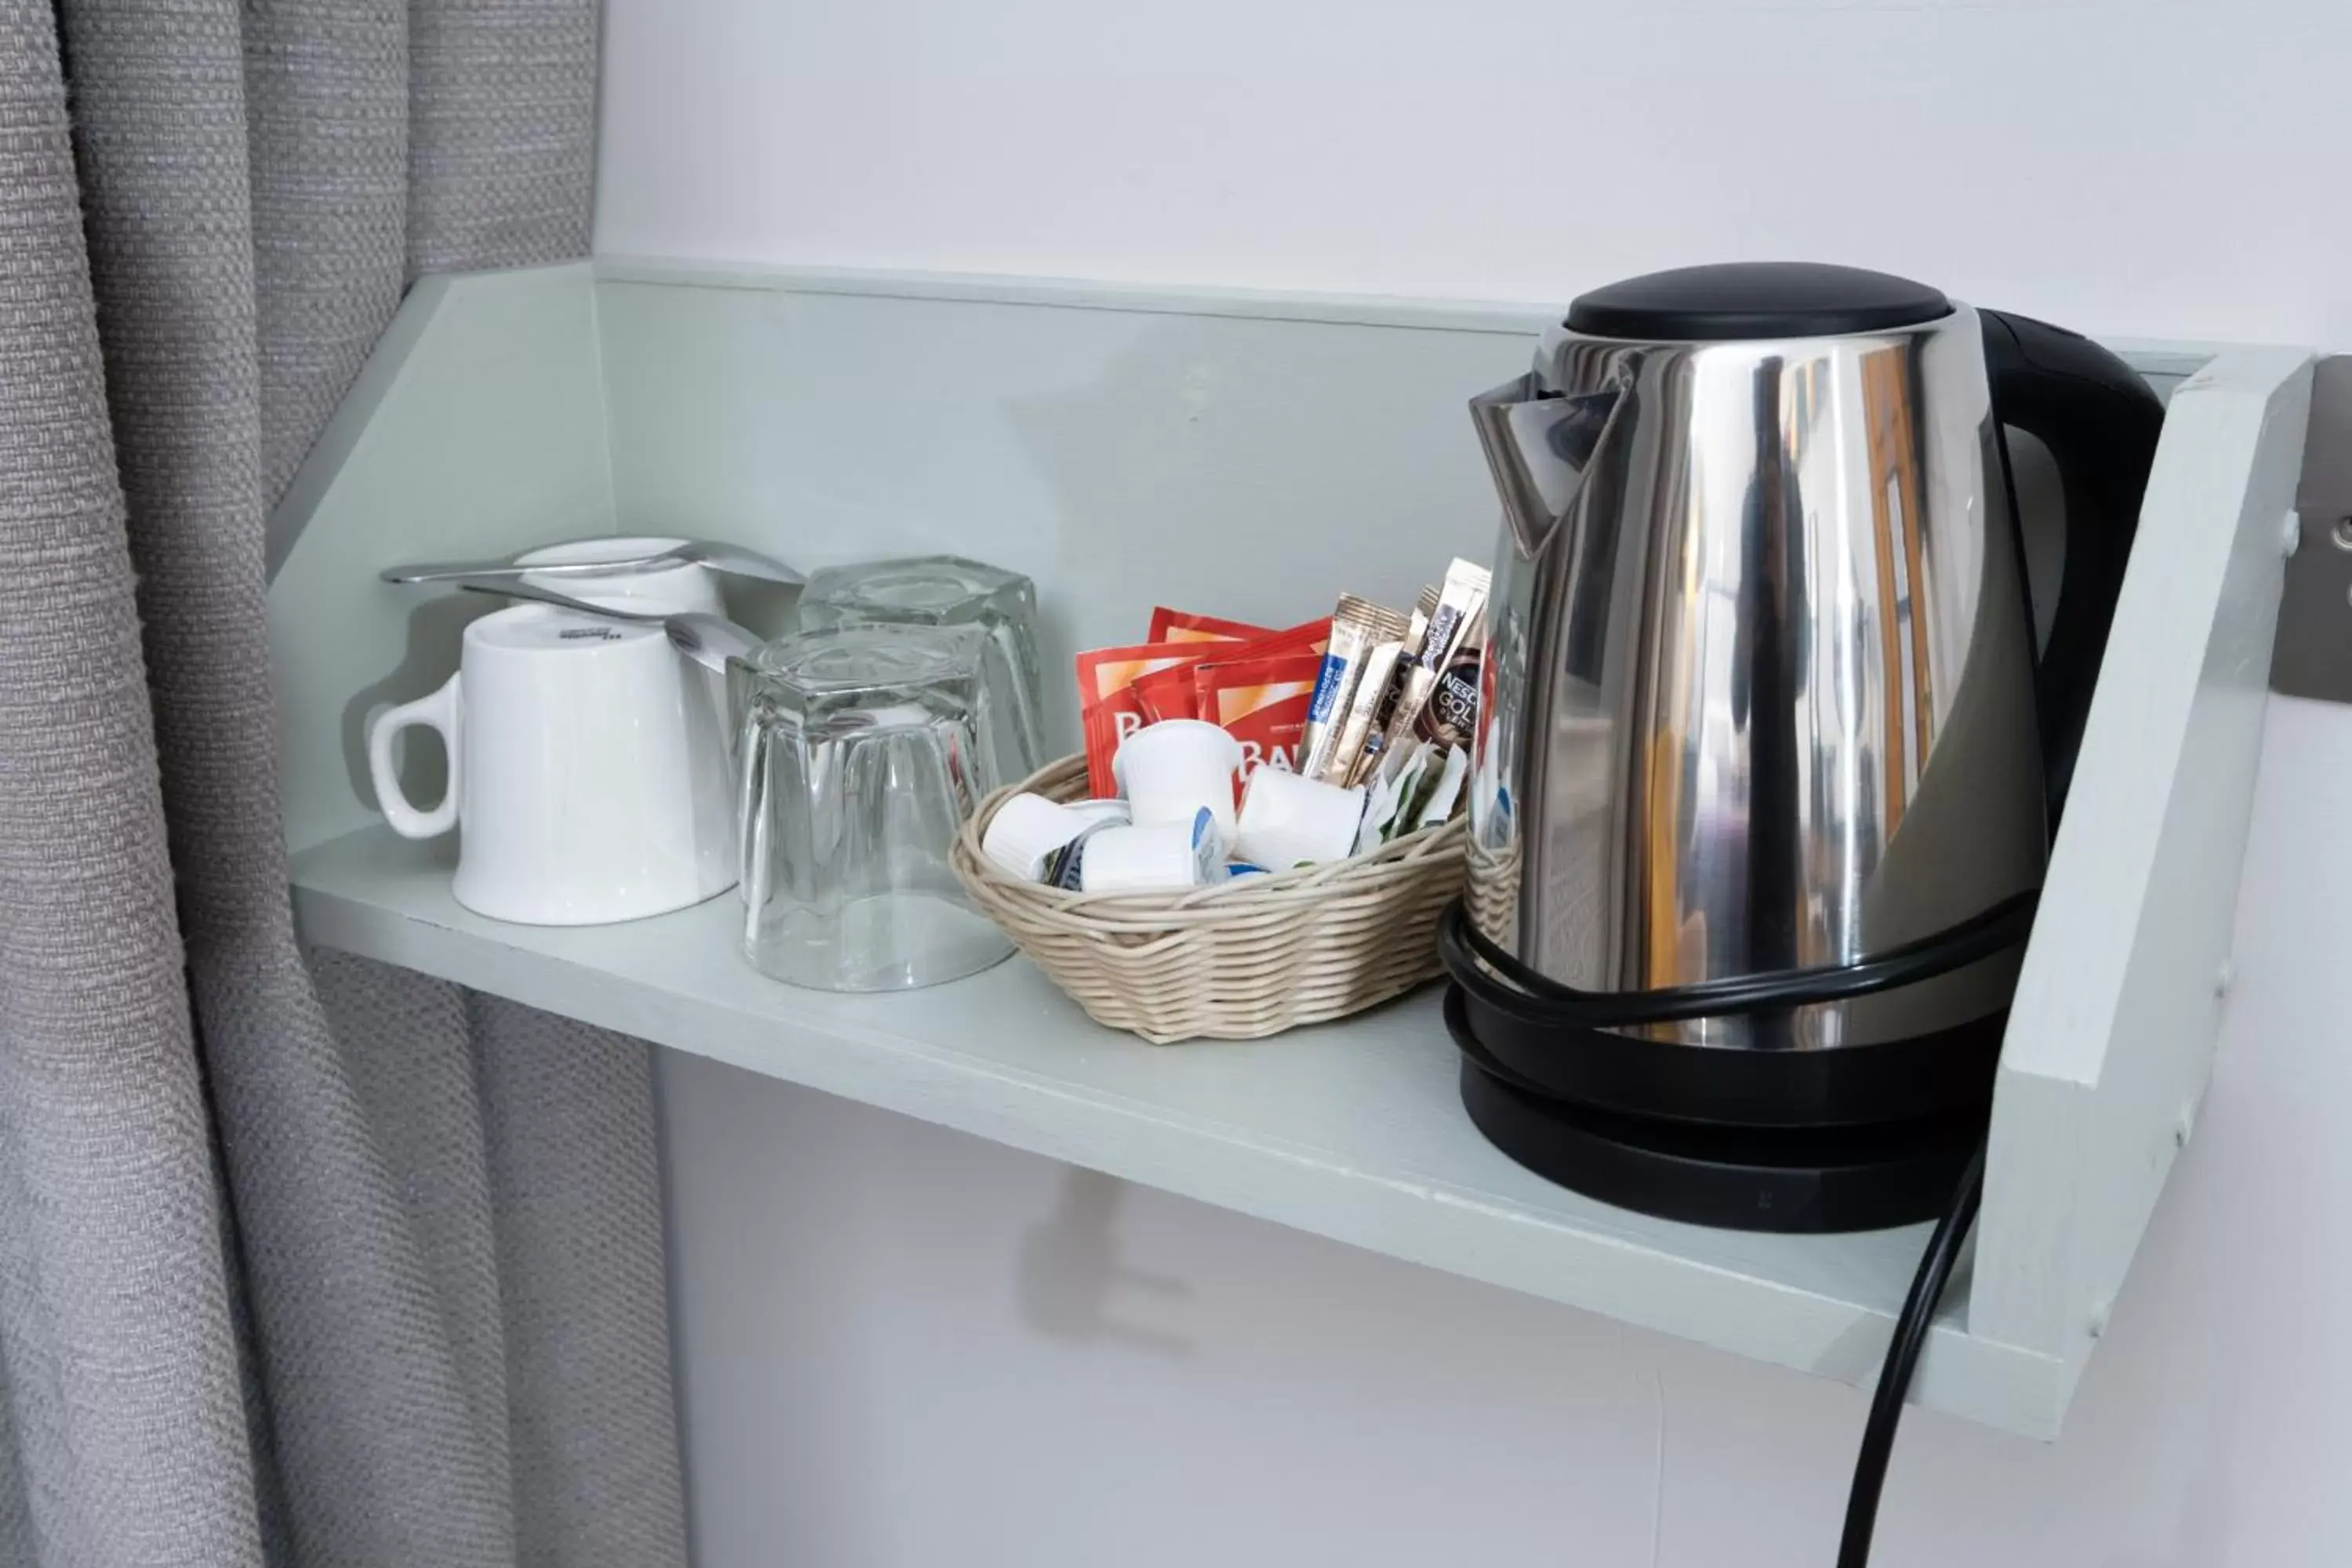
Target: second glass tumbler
950 590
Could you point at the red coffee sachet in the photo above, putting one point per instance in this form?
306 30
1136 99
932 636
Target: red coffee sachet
1180 626
1108 708
1262 702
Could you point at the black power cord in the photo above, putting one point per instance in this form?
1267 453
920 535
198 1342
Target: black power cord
2000 927
1980 936
1911 1328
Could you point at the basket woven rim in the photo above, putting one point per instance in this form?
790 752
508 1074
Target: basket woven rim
1401 859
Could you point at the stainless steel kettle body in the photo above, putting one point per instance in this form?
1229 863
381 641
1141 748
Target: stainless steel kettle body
1763 674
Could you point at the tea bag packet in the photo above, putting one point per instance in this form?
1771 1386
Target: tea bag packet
1394 784
1444 792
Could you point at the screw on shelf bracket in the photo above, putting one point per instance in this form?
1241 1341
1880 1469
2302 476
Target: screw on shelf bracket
2313 654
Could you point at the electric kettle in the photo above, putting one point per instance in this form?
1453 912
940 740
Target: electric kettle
1769 763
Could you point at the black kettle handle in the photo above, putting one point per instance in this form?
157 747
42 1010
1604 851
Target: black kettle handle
2101 422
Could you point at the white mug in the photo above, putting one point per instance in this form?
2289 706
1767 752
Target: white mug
588 771
667 590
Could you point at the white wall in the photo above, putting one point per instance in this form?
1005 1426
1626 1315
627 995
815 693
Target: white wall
903 1347
2152 167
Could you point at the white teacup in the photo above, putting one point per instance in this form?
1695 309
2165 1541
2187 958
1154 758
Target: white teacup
588 771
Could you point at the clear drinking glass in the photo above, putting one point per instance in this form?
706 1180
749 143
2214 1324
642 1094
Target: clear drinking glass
950 590
860 756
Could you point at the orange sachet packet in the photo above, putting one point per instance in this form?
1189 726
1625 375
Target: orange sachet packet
1307 636
1108 708
1252 692
1168 693
1262 702
1180 626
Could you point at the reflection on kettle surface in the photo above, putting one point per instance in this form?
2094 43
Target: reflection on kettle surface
1749 591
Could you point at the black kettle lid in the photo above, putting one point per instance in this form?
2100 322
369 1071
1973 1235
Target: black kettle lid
1739 299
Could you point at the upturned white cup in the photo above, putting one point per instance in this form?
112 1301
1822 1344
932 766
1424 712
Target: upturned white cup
664 591
1170 770
588 773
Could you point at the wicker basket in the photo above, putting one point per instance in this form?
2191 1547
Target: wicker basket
1252 957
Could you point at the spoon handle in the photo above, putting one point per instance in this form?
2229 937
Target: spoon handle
454 571
514 588
710 640
741 563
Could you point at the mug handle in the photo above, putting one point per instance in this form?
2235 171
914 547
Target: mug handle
438 711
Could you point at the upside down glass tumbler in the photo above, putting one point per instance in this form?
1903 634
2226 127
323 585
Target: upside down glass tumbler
861 755
950 590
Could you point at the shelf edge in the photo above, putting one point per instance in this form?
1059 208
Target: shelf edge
1998 1385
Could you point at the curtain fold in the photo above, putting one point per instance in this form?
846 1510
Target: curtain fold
499 173
327 126
115 1330
343 1267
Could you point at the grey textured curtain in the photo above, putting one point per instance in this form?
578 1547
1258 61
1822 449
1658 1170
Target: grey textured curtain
301 1261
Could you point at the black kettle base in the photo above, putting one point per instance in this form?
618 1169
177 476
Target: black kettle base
1790 1180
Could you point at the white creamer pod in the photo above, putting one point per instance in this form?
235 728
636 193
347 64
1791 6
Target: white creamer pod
1062 870
1025 832
1286 819
1170 770
1167 856
1276 850
1099 810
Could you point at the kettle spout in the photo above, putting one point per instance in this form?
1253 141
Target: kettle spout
1540 445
